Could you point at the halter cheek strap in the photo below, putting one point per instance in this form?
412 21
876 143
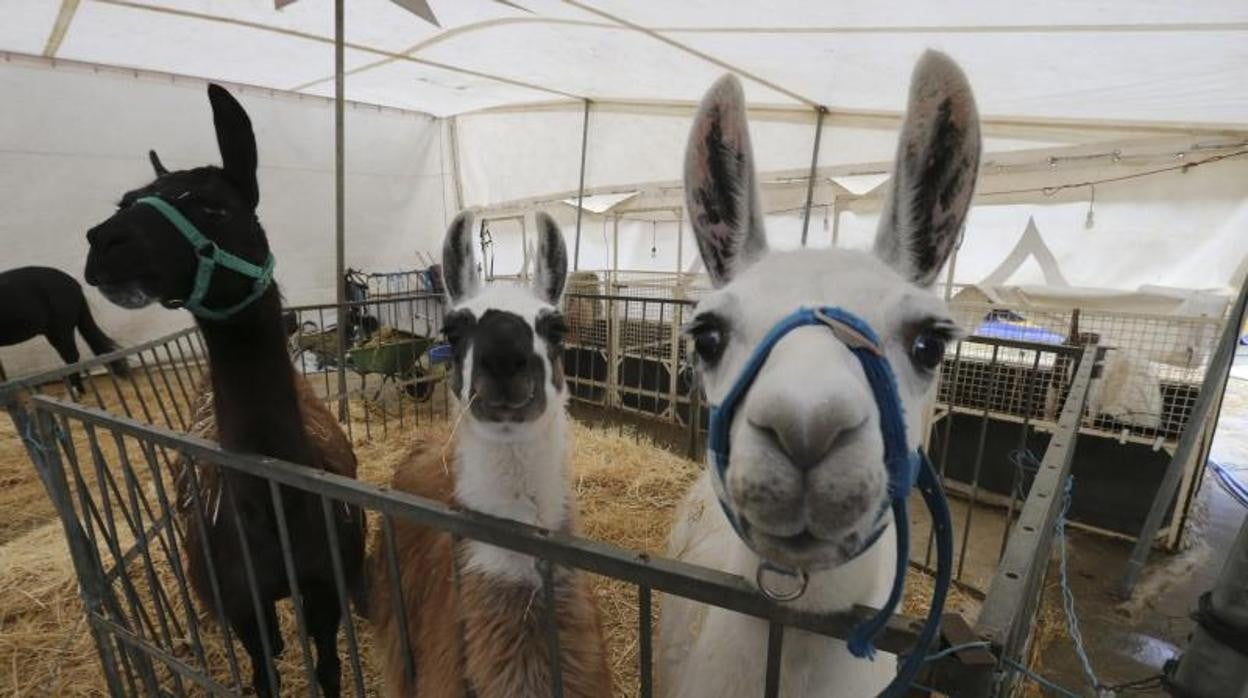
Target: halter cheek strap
905 467
209 257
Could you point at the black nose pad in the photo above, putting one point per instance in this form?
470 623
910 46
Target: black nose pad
502 365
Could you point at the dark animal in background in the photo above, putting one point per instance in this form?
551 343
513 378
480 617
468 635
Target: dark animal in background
144 253
44 301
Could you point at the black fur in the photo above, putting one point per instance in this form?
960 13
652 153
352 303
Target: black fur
236 141
49 302
459 275
157 165
137 255
720 189
552 260
934 176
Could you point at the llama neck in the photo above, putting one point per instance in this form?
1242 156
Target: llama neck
254 394
523 479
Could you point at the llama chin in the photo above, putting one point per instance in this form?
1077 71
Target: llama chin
129 295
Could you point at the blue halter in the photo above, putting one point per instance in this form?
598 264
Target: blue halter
906 468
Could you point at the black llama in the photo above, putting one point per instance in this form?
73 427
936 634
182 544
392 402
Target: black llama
155 249
44 301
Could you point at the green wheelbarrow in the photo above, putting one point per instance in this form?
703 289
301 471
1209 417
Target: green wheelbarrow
396 356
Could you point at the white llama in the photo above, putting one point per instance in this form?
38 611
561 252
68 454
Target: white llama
805 478
476 614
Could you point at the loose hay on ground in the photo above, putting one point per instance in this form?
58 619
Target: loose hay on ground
627 489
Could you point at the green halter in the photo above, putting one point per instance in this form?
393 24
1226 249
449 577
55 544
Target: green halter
210 256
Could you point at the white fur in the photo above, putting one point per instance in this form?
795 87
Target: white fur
513 471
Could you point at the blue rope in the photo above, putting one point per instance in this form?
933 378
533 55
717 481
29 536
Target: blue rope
957 648
1228 481
1068 596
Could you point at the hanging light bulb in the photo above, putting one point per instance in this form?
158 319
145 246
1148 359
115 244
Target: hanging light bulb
1090 220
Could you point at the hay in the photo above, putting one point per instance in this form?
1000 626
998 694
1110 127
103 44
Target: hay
627 489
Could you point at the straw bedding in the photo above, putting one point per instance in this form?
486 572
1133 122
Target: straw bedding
627 488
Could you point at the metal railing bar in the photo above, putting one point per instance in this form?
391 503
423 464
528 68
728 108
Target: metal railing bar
192 620
292 578
775 655
670 576
388 300
550 614
262 618
111 539
645 654
1027 554
396 592
340 585
26 382
214 580
175 665
977 469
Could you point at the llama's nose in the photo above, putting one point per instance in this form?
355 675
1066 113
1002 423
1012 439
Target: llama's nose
505 363
805 431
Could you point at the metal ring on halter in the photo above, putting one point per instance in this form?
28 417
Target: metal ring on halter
802 577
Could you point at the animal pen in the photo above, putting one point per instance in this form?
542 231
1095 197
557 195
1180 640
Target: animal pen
114 463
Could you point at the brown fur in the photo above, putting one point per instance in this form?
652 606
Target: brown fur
324 433
491 632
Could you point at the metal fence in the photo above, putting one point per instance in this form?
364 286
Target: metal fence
105 461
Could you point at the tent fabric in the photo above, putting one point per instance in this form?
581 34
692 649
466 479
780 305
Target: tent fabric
80 141
485 112
1112 60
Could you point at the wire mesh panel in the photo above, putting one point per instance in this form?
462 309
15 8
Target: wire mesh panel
392 358
1153 368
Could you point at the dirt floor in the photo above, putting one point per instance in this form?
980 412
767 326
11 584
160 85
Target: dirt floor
1134 639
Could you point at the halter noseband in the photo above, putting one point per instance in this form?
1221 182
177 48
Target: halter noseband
209 257
906 468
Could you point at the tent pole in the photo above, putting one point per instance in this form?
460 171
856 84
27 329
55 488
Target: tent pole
1211 391
339 213
836 221
814 164
580 192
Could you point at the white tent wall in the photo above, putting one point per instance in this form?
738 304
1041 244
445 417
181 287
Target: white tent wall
1176 229
508 156
80 139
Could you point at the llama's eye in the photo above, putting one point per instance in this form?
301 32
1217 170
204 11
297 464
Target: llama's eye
552 327
456 327
928 350
708 342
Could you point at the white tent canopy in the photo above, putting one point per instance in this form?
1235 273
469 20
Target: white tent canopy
487 109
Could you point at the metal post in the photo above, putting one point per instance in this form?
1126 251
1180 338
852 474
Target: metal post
340 208
1213 664
1210 390
580 192
814 164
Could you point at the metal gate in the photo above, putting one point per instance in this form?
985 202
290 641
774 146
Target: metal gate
108 472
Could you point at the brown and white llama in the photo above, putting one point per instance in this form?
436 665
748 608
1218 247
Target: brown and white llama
805 476
150 250
476 613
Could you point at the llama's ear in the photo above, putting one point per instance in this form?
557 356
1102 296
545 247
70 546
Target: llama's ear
552 260
721 192
934 174
236 141
459 272
157 165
